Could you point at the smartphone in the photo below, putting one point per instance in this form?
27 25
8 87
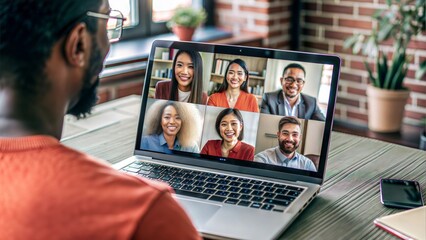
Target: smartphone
399 193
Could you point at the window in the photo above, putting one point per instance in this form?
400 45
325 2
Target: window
149 17
162 10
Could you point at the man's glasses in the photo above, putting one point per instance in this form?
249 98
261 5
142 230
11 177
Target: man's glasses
114 24
291 80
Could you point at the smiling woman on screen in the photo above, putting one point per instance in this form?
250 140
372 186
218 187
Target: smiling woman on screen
171 126
233 92
230 127
186 84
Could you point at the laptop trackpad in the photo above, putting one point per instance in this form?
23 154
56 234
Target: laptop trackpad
199 212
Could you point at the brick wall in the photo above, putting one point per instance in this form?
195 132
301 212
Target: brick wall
326 24
269 18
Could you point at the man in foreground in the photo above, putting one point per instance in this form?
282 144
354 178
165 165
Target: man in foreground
290 101
285 154
51 53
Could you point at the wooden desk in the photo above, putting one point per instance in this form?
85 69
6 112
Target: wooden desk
349 199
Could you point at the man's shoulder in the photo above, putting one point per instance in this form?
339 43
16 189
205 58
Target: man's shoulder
304 159
308 98
273 94
94 171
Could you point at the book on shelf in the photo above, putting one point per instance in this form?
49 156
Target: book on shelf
172 53
163 73
218 66
256 90
254 73
225 64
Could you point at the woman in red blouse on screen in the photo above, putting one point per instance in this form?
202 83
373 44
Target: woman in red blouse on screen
230 127
233 92
186 84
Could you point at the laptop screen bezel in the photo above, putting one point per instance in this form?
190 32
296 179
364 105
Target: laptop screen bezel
243 166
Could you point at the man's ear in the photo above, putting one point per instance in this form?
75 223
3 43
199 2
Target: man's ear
75 46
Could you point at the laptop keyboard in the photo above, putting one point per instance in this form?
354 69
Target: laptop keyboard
219 187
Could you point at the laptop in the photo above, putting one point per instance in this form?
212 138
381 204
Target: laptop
238 196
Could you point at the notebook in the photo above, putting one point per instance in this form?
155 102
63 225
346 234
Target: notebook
234 170
409 224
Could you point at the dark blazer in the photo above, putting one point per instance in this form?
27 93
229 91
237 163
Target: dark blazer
162 91
273 103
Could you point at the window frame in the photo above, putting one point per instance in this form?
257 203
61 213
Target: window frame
147 28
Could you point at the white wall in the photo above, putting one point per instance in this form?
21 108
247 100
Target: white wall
314 135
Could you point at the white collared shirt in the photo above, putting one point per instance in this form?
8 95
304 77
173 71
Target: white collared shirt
276 157
289 111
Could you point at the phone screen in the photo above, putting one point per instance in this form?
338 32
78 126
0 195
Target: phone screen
400 193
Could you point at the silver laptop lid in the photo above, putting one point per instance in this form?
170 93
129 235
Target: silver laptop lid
186 116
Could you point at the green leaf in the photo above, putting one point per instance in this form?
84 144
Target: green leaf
398 63
399 76
384 32
421 71
369 47
382 68
378 13
389 2
349 42
357 47
370 75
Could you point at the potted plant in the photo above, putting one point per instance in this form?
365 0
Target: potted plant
185 20
387 95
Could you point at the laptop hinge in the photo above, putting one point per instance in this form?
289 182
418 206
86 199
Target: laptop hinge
139 157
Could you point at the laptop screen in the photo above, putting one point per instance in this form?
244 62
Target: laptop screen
251 108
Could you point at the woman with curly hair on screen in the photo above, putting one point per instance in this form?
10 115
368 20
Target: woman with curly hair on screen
172 126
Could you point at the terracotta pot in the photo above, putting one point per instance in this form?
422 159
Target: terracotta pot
386 109
183 33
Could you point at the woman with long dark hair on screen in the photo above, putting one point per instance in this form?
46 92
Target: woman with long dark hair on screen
233 92
186 84
230 127
172 126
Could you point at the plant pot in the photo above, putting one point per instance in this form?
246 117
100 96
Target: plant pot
385 109
183 33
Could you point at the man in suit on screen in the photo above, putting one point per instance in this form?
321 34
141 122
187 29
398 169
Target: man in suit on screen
289 101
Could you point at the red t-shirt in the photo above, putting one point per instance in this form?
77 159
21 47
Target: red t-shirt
241 150
245 101
51 191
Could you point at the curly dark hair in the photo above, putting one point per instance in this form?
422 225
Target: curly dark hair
29 29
